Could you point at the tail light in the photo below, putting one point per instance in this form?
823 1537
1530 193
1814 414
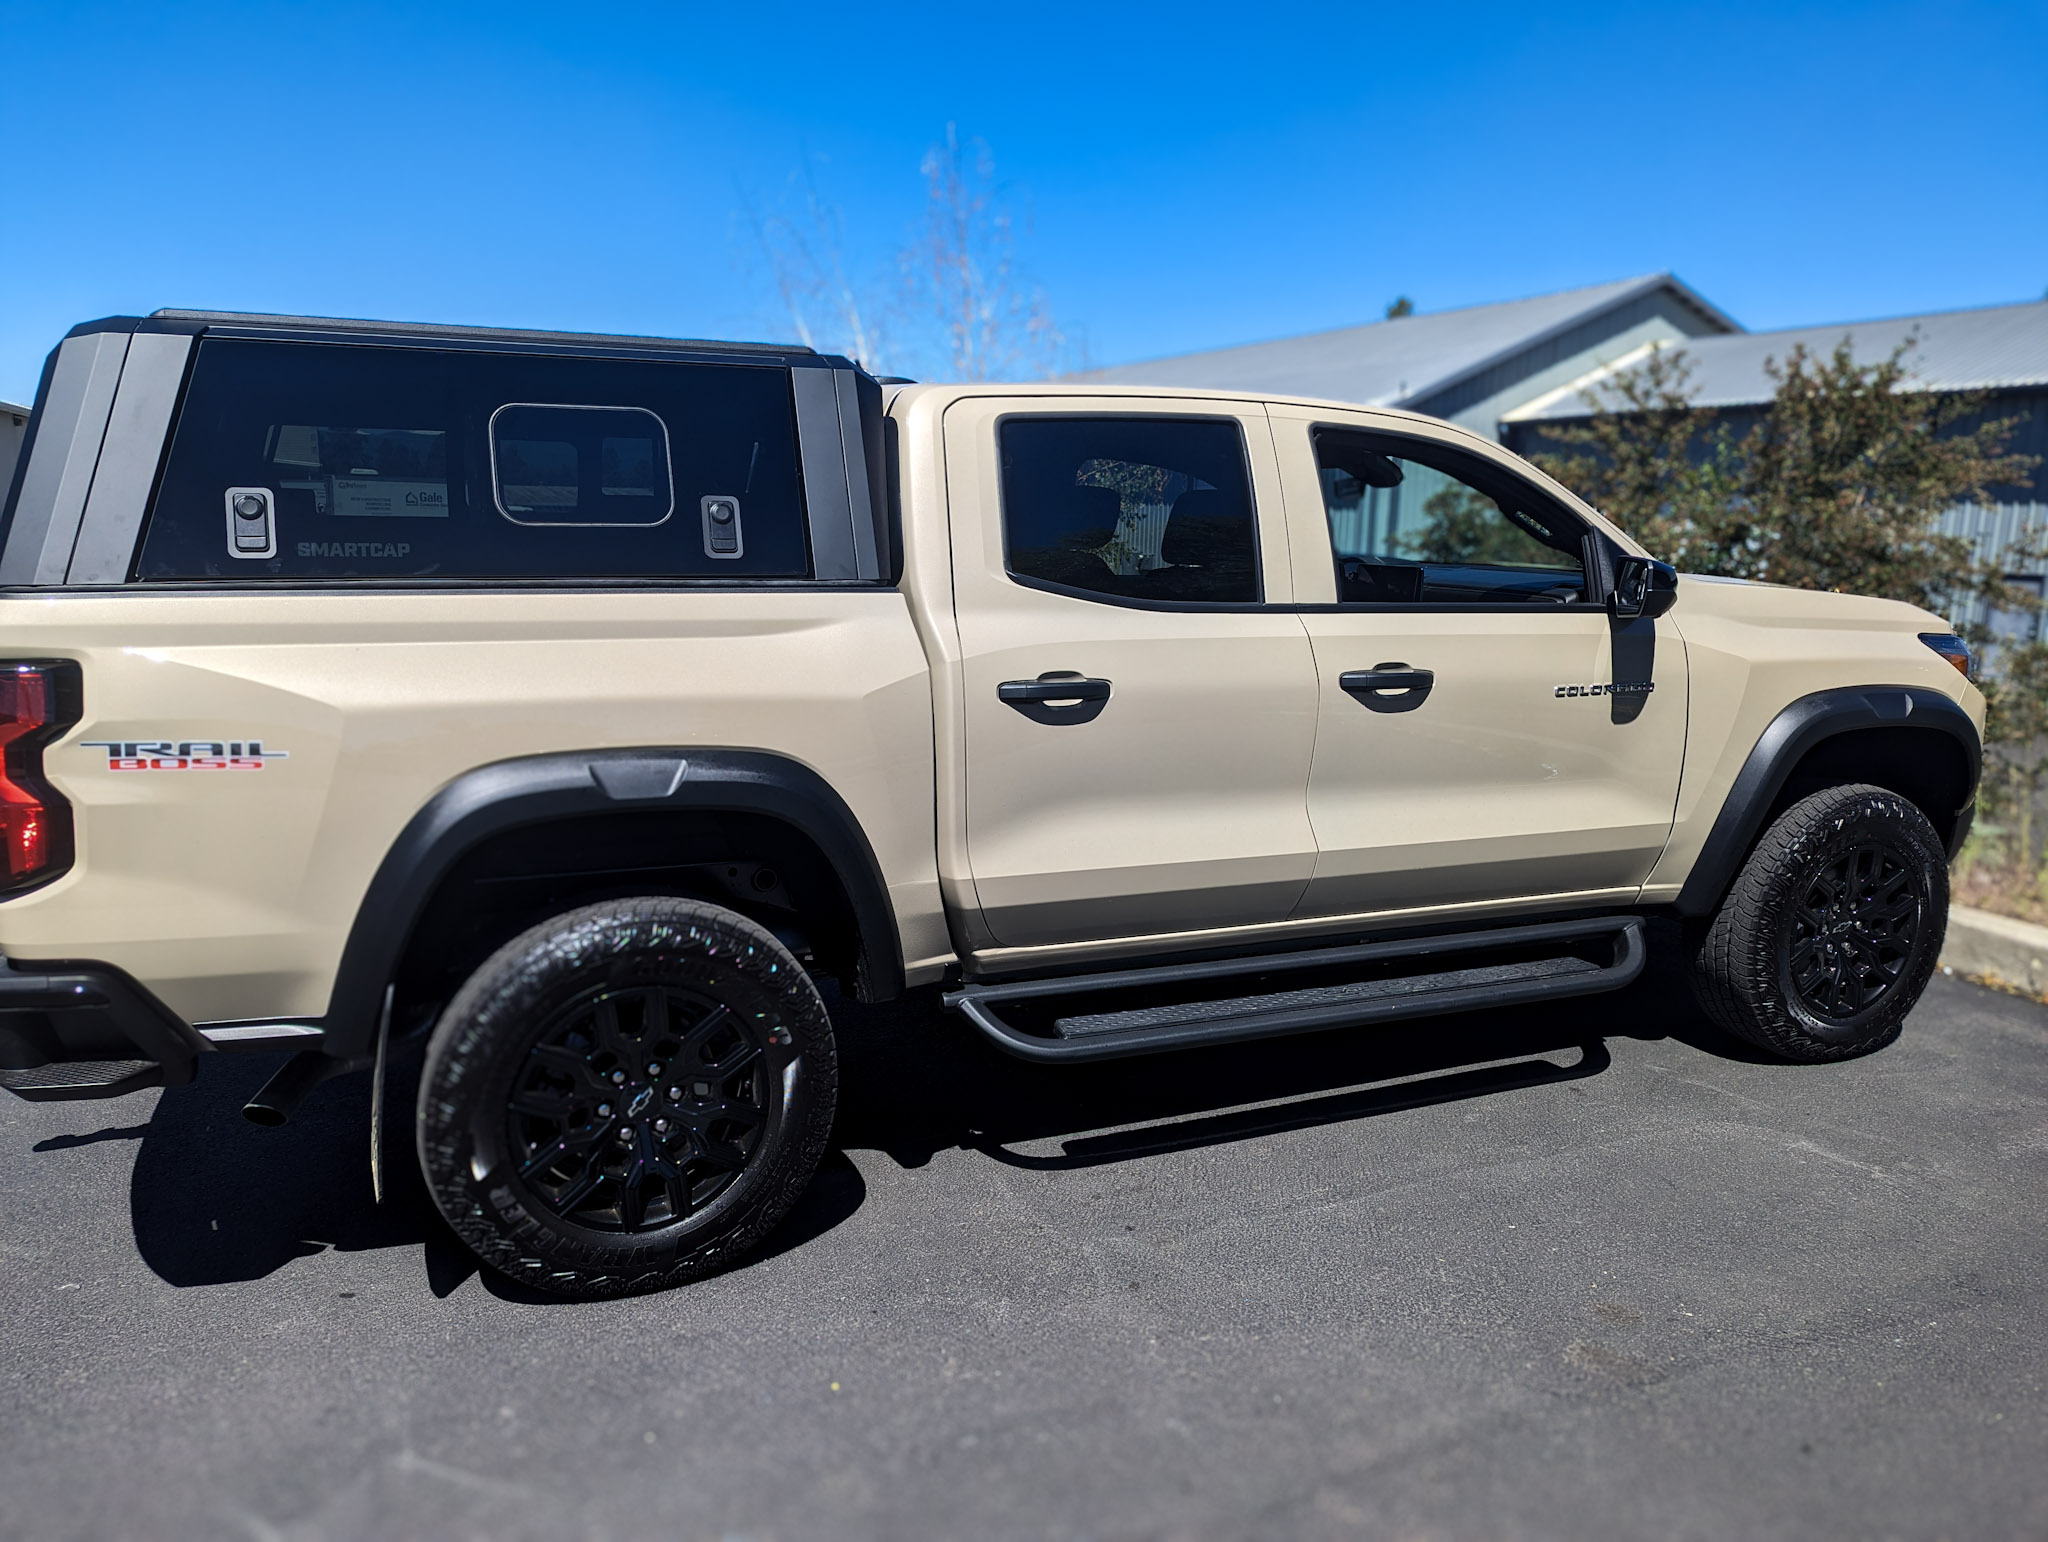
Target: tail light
38 702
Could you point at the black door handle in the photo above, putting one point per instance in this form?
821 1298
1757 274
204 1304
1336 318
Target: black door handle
1387 677
1389 687
1014 691
1080 699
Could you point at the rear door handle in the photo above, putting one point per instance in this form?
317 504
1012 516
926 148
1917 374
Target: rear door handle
1389 687
1077 689
1387 677
1080 699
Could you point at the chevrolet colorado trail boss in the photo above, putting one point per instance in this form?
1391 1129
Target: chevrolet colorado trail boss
567 708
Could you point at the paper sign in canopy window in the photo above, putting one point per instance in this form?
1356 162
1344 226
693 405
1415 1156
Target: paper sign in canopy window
570 465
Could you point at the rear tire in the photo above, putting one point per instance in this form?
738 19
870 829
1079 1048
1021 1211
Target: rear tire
1831 930
627 1096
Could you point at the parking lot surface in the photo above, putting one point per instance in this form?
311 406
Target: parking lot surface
1583 1271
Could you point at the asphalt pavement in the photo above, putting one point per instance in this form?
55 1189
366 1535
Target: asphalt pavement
1585 1271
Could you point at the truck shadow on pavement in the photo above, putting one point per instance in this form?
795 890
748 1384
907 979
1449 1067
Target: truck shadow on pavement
215 1199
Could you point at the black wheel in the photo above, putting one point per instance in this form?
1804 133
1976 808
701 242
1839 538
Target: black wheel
626 1096
1831 929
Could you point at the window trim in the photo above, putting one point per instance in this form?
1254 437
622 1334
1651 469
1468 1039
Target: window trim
1134 602
497 488
1591 541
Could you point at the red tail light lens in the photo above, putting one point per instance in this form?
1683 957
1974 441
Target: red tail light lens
38 702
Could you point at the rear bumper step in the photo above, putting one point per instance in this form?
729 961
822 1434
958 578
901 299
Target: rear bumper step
1179 1006
88 1030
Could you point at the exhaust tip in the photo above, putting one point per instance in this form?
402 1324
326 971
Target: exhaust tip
278 1099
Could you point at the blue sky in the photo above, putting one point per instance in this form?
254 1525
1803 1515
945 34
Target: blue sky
1183 176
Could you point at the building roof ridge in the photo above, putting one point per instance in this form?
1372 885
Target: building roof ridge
1617 291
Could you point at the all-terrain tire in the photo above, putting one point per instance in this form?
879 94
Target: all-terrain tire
627 1096
1831 930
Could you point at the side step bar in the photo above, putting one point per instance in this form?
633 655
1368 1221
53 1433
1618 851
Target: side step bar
1177 1006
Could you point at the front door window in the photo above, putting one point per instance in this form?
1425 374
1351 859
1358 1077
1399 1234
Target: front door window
1412 523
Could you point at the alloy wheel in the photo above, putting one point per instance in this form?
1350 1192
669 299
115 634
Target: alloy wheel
1854 929
636 1108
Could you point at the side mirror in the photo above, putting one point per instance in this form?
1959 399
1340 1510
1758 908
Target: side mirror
1375 469
1643 588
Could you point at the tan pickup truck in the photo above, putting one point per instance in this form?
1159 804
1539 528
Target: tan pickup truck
571 709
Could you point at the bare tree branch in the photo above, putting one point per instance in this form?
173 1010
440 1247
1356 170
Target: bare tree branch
805 256
961 272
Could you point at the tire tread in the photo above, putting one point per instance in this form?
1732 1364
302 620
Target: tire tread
470 1024
1734 966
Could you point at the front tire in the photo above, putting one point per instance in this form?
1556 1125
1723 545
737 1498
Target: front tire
1831 930
627 1096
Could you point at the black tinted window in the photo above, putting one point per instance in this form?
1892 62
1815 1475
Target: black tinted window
580 465
1417 523
387 462
1134 508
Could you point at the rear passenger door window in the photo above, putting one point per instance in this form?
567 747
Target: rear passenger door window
423 463
1144 509
1417 523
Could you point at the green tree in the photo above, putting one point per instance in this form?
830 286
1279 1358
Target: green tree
1838 485
1663 469
1848 473
1467 526
2016 734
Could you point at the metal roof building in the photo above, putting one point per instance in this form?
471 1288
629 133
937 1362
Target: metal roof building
1472 365
1492 367
1999 348
13 430
1514 369
2000 351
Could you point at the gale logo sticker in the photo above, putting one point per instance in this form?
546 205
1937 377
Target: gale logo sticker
184 754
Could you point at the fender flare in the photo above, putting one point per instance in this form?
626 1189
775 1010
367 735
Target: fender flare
537 789
1790 735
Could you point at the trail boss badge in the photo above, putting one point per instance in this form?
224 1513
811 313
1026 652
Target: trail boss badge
184 754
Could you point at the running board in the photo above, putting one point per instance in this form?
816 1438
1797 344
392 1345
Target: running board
1177 1006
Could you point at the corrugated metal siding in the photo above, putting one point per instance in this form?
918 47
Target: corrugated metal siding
1140 532
1999 528
2029 437
13 430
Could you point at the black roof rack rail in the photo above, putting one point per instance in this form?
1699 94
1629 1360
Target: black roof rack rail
479 334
